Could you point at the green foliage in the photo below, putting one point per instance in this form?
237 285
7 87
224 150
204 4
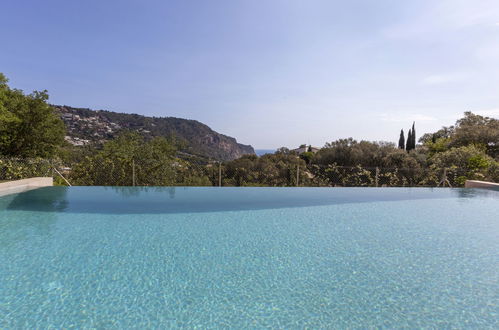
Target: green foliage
478 162
493 171
131 159
16 169
411 139
436 145
334 175
279 169
349 152
471 162
283 150
470 130
307 156
358 176
444 132
28 125
401 140
408 146
477 130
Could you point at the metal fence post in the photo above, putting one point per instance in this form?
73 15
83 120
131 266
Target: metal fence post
219 174
377 176
133 172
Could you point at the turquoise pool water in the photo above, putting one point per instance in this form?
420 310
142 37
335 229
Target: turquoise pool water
94 257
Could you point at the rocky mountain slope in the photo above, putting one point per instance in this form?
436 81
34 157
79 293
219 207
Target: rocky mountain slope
89 126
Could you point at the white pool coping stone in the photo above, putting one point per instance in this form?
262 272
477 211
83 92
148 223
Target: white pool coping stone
481 184
17 186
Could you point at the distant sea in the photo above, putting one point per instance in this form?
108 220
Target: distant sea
261 152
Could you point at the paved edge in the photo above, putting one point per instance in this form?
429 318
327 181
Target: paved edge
480 184
17 186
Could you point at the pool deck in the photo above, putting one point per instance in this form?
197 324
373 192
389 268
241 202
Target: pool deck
481 184
12 187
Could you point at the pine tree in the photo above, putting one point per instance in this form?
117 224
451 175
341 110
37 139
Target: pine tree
402 140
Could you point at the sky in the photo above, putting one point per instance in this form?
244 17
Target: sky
270 73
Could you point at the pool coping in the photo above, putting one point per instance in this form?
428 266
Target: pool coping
17 186
481 184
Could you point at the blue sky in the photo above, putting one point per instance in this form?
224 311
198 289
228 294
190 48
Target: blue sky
270 73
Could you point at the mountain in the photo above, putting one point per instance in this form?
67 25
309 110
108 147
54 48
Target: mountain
87 126
261 152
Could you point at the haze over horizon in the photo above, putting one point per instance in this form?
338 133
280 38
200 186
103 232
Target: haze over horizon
271 74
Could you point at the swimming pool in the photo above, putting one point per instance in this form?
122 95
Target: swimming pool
95 257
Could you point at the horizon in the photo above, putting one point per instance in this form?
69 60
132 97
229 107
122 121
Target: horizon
270 75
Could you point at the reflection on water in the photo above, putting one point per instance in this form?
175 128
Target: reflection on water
143 200
19 226
43 199
136 191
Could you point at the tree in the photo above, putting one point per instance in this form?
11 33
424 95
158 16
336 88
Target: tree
3 97
411 139
413 136
467 162
408 146
7 118
470 130
444 132
130 158
29 126
349 152
477 130
278 169
402 140
283 150
437 145
307 156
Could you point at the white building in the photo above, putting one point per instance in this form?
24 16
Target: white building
305 148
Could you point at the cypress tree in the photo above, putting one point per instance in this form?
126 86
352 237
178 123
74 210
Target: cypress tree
409 141
402 140
413 135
